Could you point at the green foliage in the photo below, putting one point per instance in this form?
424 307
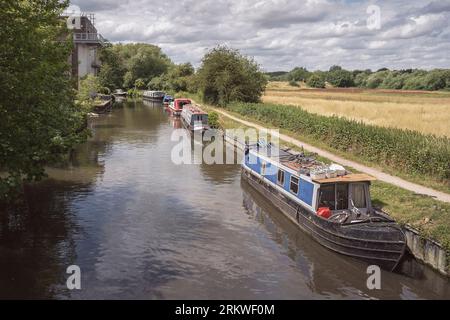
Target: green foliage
124 64
294 83
339 77
315 81
139 84
113 69
225 75
298 74
213 119
88 88
404 150
177 79
39 122
277 76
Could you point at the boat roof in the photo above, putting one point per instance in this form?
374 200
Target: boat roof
304 164
194 109
182 99
352 177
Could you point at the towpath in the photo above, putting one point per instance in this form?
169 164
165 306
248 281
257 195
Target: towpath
438 195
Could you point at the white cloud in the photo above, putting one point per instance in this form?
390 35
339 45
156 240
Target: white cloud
281 34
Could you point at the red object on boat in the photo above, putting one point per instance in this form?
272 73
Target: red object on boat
178 105
324 212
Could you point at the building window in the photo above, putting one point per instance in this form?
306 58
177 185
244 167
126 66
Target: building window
280 178
294 185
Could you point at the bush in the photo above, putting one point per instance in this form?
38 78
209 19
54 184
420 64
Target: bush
294 83
315 81
405 150
225 75
213 119
339 77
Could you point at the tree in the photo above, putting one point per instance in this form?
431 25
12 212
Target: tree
113 68
87 90
225 75
339 77
298 74
139 84
39 122
315 81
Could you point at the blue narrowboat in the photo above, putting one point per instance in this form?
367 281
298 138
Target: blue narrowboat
167 100
327 202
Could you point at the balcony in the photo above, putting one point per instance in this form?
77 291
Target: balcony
88 38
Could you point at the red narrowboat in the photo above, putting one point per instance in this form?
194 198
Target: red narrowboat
177 105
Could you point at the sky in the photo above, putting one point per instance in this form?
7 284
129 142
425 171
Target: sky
283 34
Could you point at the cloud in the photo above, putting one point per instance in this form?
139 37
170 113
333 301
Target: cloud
282 34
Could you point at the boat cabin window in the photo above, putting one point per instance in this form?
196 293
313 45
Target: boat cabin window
327 196
280 178
294 185
359 195
341 196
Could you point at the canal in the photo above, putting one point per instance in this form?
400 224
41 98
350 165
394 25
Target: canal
140 226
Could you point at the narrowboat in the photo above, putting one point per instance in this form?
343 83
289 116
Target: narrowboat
327 202
156 95
167 100
177 105
194 118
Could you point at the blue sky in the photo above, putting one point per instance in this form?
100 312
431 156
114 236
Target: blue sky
282 34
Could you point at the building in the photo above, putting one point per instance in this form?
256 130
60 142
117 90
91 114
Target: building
87 41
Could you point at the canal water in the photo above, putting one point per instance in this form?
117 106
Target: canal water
140 226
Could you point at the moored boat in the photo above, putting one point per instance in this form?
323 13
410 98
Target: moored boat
156 95
195 118
120 93
176 106
167 100
327 202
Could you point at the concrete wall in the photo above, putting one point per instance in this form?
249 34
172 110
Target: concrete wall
427 251
87 55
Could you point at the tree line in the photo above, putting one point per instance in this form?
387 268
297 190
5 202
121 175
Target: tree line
336 76
224 75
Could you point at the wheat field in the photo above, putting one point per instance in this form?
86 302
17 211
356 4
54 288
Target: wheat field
426 112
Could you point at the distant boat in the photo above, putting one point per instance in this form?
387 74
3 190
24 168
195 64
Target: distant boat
120 93
195 118
327 202
156 95
167 100
176 106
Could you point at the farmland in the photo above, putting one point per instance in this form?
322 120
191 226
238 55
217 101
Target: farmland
424 111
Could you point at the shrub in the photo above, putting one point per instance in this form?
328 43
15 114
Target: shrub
294 83
315 81
213 119
225 75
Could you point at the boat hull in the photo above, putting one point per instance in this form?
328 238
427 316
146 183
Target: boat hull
378 243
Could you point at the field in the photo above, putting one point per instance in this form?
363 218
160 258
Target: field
424 111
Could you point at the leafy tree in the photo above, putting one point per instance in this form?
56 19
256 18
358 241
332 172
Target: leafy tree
298 74
339 77
89 87
139 84
315 81
225 75
113 69
39 122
